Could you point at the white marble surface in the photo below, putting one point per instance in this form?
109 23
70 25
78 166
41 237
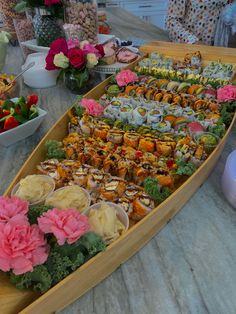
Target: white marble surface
189 267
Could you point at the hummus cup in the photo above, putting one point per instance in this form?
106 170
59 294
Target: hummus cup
42 200
120 212
82 190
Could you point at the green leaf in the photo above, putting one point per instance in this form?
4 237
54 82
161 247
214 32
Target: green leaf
21 7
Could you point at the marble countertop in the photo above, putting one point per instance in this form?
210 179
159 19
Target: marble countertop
189 267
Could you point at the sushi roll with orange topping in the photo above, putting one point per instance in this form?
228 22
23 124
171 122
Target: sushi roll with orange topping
115 136
113 188
147 144
142 205
131 139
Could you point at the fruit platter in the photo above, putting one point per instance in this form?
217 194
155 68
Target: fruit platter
120 163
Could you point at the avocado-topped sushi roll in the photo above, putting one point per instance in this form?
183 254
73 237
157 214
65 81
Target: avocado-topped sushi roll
174 110
163 126
139 115
126 113
189 113
154 116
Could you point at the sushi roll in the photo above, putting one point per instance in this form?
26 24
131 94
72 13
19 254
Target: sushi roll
100 131
141 172
95 179
110 163
167 97
172 86
131 139
142 205
115 136
126 204
80 176
112 111
163 126
154 116
189 113
126 113
113 188
139 115
147 144
158 96
174 110
86 124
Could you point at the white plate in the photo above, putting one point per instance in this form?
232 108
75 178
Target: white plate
32 44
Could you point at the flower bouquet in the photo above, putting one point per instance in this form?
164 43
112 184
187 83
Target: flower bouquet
74 59
41 245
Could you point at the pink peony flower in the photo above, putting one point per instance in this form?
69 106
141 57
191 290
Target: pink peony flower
65 224
21 247
125 77
92 106
12 208
73 43
77 58
226 93
51 2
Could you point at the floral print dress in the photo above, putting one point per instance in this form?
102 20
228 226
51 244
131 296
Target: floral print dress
190 21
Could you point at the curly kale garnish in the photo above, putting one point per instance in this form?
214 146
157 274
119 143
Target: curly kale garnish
58 266
185 168
218 129
55 150
39 279
155 191
62 261
36 211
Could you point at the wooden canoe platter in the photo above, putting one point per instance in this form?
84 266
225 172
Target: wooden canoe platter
14 301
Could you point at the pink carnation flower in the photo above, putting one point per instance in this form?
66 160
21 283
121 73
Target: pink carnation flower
88 48
92 107
125 77
12 208
226 93
21 247
65 224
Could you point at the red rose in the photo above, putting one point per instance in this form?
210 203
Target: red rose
100 50
76 57
49 62
59 45
51 2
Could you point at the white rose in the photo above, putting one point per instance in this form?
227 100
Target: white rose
61 61
91 60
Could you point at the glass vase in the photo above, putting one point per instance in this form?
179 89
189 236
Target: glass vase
83 13
77 81
46 27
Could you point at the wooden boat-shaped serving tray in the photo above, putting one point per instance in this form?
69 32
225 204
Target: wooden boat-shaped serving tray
14 301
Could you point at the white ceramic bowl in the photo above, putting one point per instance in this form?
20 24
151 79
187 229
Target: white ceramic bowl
22 131
85 192
42 200
38 76
120 212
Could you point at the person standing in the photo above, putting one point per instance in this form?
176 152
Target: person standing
193 21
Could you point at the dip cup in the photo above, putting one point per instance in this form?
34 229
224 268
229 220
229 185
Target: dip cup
120 212
81 190
42 200
208 147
